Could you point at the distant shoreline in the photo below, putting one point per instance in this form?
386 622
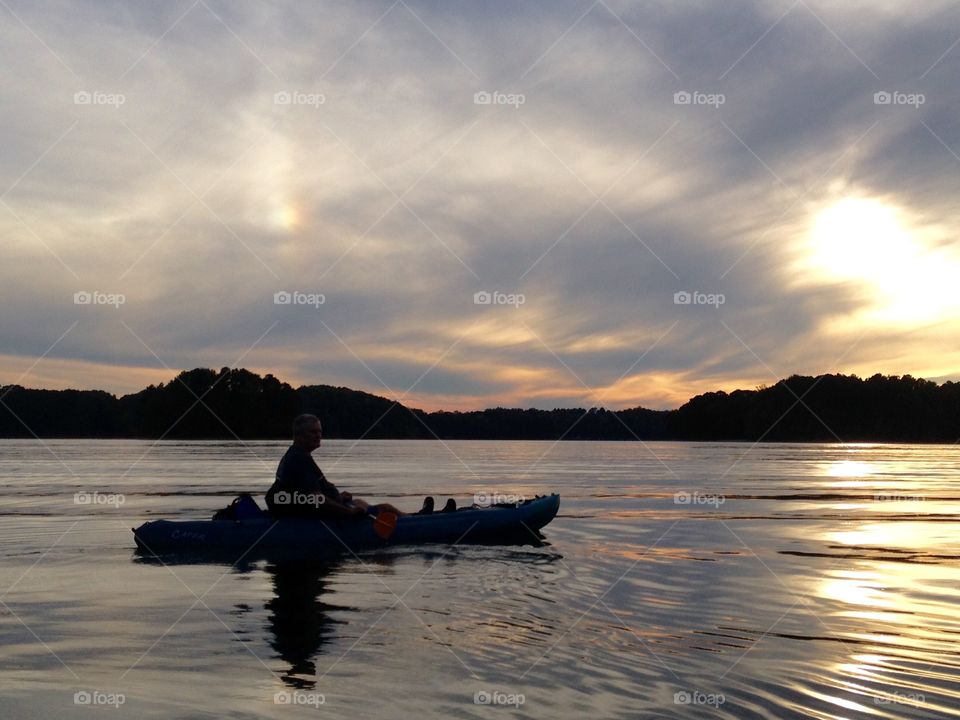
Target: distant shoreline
236 404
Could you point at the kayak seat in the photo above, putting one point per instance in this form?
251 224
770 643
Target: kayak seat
243 507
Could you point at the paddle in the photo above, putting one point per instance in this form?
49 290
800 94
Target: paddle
385 523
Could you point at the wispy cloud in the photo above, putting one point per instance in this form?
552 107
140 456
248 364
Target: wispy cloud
594 159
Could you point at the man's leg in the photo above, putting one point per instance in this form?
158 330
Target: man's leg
363 504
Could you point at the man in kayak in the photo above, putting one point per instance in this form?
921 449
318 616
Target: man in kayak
301 489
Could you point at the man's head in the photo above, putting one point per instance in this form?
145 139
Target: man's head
307 432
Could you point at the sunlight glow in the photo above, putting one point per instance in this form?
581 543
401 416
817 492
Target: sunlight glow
855 588
867 241
915 535
848 469
286 217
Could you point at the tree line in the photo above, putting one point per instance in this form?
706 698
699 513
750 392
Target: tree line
236 403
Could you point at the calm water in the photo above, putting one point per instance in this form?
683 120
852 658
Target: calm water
680 580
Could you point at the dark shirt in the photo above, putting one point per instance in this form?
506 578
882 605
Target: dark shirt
300 487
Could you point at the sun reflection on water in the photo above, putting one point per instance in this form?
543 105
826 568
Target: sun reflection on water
893 598
849 469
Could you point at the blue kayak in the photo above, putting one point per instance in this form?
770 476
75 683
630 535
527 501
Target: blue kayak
511 524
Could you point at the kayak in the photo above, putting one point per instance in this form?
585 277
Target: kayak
519 523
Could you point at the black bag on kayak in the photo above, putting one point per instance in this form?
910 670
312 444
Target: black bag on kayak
243 507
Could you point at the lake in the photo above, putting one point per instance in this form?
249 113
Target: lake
678 580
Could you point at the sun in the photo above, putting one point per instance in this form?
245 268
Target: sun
286 216
867 241
857 237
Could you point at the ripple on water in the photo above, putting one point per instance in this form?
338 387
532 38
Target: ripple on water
825 585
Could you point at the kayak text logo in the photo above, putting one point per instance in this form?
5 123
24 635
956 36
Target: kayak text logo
695 697
499 298
298 498
99 498
96 697
82 297
698 498
299 697
188 535
497 697
485 498
283 297
684 297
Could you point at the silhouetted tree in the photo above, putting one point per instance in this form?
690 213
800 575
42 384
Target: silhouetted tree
209 404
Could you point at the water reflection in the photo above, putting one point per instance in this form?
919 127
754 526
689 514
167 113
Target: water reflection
849 469
889 605
826 585
298 617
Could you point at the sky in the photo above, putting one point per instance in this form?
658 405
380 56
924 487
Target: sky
474 204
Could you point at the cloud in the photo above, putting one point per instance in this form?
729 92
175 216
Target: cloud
376 180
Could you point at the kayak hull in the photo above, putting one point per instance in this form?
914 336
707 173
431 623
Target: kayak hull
518 524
